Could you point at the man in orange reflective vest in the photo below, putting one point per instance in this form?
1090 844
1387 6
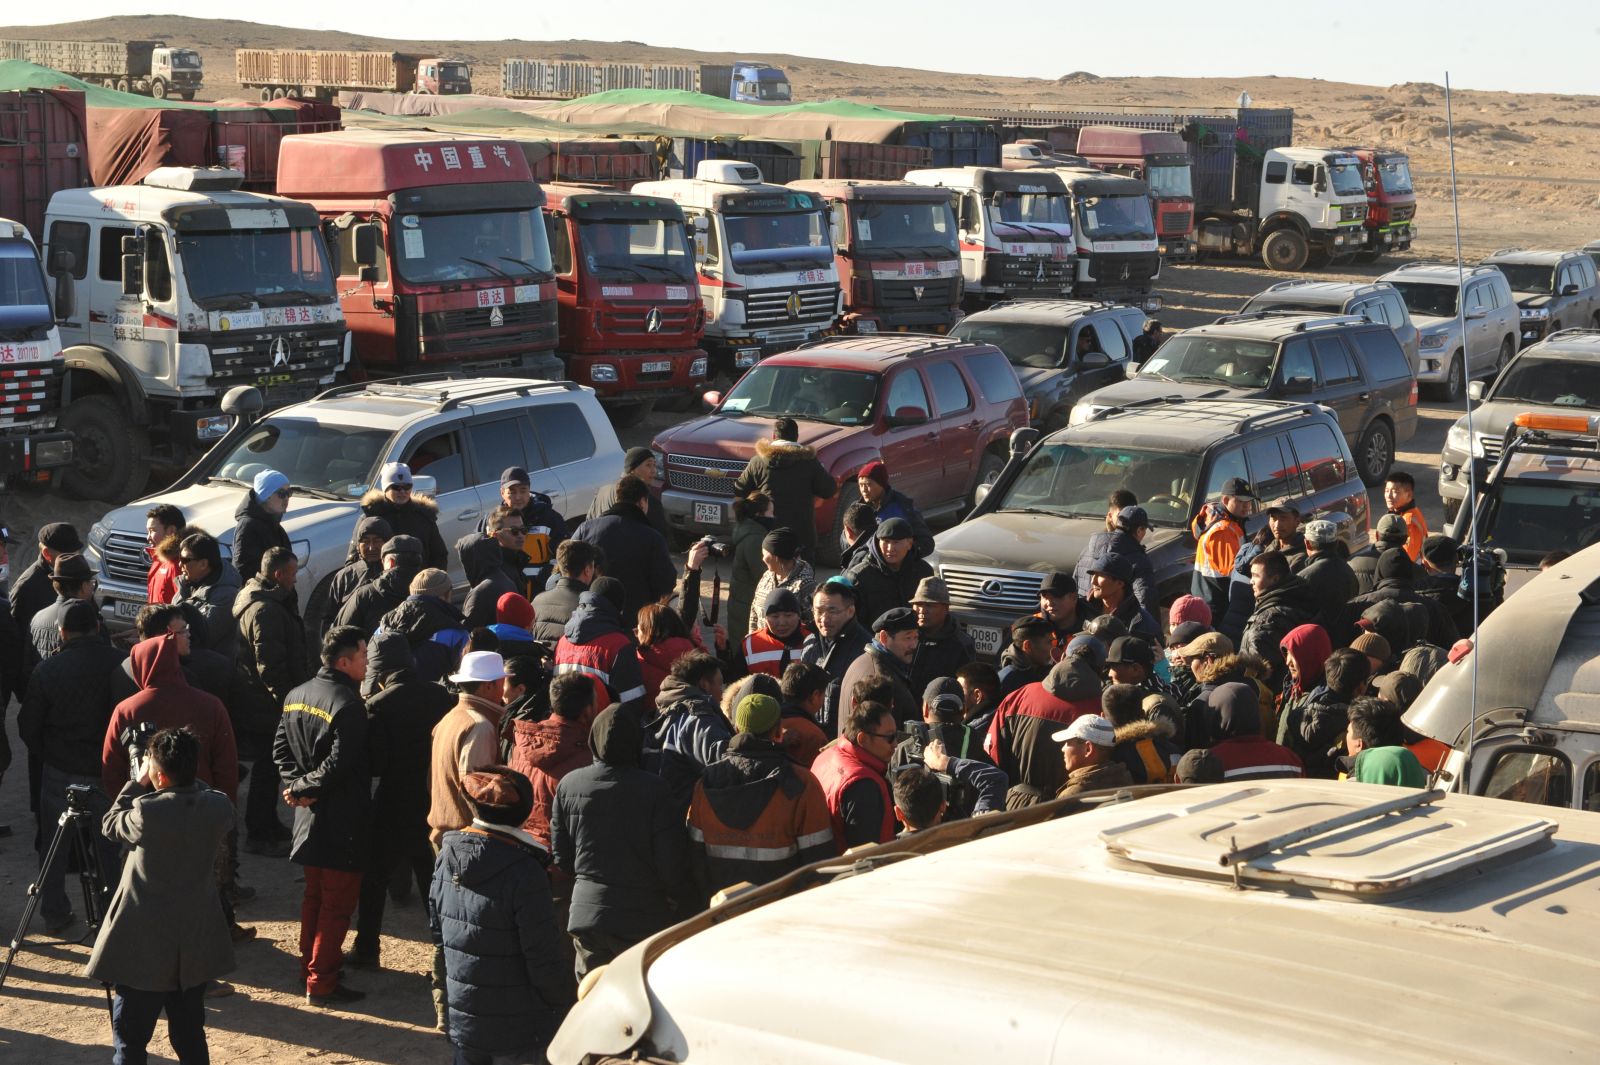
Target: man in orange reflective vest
1219 528
1400 496
781 637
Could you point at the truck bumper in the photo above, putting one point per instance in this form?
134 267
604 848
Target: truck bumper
638 374
35 456
1345 240
743 352
1176 249
1392 238
869 322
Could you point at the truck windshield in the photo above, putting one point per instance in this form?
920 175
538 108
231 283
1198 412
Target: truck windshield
272 267
185 59
1535 278
453 71
23 301
1346 179
314 454
1074 479
1433 301
641 249
1045 208
764 243
1213 360
1170 182
1116 218
838 397
1529 519
471 247
1395 176
926 228
770 90
1035 347
1554 381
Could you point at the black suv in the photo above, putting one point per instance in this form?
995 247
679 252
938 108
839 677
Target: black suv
1350 365
1061 349
1174 455
1554 289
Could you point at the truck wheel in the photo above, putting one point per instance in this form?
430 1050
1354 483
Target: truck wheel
1375 453
158 89
988 471
111 460
187 94
109 83
1284 250
123 85
627 415
278 94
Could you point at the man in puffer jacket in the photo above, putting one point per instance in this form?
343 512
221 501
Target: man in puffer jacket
435 630
273 654
1283 602
506 984
1019 735
366 567
789 473
401 561
545 751
259 521
690 732
407 513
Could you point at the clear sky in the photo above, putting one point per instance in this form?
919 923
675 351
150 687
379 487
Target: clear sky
1480 42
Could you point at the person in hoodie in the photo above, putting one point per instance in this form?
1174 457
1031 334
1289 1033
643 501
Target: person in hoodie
888 576
366 567
1019 734
785 569
1099 544
840 638
872 484
789 474
435 630
259 521
755 815
513 627
401 711
1312 727
543 528
273 653
615 830
401 560
407 513
689 729
494 563
163 531
1304 652
1396 577
1282 602
597 644
635 553
546 751
207 590
888 656
1244 752
1126 542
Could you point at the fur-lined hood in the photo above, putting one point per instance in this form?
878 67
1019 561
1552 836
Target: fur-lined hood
376 505
1146 729
778 452
167 550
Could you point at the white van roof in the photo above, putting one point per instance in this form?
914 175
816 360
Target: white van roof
1418 928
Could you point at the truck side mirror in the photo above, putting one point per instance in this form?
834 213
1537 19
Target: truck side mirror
65 295
364 238
132 266
969 220
1321 184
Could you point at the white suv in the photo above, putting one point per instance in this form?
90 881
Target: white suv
457 434
1432 292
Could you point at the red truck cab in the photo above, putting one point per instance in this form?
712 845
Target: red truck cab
1391 201
899 262
443 258
630 311
1160 160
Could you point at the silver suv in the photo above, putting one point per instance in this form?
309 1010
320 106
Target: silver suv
1432 292
1556 290
457 435
1377 302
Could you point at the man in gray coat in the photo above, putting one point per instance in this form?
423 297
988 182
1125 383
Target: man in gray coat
164 935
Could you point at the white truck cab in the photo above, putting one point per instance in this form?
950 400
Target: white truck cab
182 288
764 259
1118 255
1309 209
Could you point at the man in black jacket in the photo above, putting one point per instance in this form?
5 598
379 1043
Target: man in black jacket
74 581
639 462
207 590
578 563
1282 602
1326 572
943 646
838 641
272 649
543 528
32 591
636 554
321 755
859 523
366 567
402 561
889 574
494 564
259 521
407 513
872 484
788 472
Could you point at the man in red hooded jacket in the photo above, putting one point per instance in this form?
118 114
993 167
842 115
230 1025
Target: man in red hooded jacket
165 700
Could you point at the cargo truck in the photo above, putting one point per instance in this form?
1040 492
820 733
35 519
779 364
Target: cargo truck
1295 207
175 291
1115 234
300 73
32 448
566 79
443 257
899 261
1160 160
43 148
1014 228
1391 202
630 311
149 68
765 264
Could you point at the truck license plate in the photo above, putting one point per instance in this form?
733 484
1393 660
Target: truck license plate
657 367
708 513
985 640
128 609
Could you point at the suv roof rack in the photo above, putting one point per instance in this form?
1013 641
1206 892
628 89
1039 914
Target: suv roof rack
409 387
1360 288
1573 333
1312 320
1466 270
1057 299
1153 401
1257 421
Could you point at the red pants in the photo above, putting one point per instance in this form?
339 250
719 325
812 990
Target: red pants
325 911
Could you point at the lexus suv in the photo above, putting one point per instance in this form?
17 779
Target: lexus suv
1450 357
1554 289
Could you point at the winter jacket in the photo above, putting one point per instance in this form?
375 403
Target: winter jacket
165 700
614 828
940 652
1441 628
803 738
655 662
546 531
801 581
1241 596
1139 621
418 518
321 753
517 642
213 602
161 584
31 592
690 733
1118 544
1395 766
876 661
490 574
1019 735
636 554
371 601
879 588
790 474
1312 728
545 752
346 579
1108 774
1146 749
45 634
748 569
1244 752
852 552
962 742
897 504
1278 611
272 644
400 721
834 657
465 739
1444 590
506 982
1331 583
755 816
68 704
1017 672
435 630
763 652
596 644
606 500
854 783
553 607
255 532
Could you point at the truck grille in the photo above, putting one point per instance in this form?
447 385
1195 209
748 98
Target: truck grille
630 319
689 473
1132 268
297 356
1008 591
770 307
1352 212
125 558
27 394
1030 275
939 292
471 330
470 319
1404 212
1177 225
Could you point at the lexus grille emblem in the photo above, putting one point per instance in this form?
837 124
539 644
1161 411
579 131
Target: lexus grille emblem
918 290
652 321
280 353
992 588
497 317
793 305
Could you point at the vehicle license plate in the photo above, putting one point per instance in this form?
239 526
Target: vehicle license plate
126 608
708 513
658 367
1529 334
985 641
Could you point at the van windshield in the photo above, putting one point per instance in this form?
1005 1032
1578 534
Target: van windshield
1433 301
838 397
641 249
1549 382
1535 278
1037 347
1073 480
471 247
1213 360
271 267
765 243
1530 520
905 229
316 456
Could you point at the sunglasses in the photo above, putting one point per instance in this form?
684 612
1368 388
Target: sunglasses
187 558
883 735
282 493
399 488
514 531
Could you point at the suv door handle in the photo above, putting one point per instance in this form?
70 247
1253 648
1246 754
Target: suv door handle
467 515
1364 396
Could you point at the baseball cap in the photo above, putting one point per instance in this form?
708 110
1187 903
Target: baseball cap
931 590
514 475
1057 582
1131 518
478 667
894 529
1320 532
1186 632
269 482
1090 728
1284 508
945 696
1131 650
896 619
1031 627
394 473
1238 486
756 714
1210 643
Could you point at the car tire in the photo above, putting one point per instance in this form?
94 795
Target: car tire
1452 507
1375 453
989 468
1508 348
316 610
110 459
1284 250
1455 380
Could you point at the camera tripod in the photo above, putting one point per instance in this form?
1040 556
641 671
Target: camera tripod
77 825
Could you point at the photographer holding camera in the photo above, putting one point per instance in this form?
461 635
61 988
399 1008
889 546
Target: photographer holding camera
164 935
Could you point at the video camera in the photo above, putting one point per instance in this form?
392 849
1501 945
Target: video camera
78 798
135 739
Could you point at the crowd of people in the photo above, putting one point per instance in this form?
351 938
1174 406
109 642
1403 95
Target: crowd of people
588 749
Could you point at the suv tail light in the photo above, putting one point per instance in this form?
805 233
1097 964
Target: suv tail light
1413 400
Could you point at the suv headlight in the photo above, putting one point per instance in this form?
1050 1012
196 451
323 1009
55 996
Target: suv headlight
98 533
1536 312
1459 439
1434 340
1082 412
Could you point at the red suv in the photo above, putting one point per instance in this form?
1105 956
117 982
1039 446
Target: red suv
937 411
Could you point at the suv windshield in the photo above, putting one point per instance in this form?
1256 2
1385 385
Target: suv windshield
472 247
1346 179
1213 360
315 455
763 243
1395 176
838 397
1529 277
1038 347
1434 301
1170 181
1074 479
643 249
1045 208
1528 520
1116 218
272 267
1549 380
920 228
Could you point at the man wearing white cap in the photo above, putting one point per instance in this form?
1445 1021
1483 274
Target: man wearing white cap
258 521
407 513
1086 751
